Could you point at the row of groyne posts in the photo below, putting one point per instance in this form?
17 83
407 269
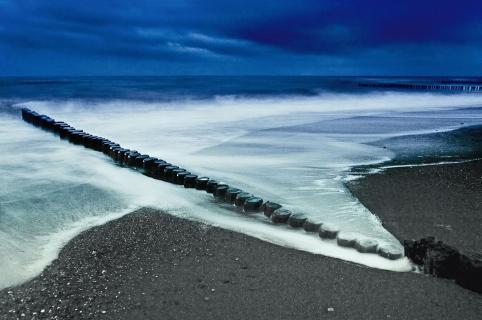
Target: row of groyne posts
421 86
244 201
436 257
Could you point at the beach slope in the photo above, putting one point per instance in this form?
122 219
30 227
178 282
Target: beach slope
444 201
151 265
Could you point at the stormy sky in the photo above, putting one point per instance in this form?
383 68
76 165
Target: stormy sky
188 37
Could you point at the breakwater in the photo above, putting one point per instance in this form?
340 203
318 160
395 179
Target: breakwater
466 87
245 202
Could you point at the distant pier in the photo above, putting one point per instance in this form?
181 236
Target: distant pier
475 87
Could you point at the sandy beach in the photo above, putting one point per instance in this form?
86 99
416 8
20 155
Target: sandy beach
443 201
151 265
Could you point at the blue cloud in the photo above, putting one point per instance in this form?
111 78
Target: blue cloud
214 36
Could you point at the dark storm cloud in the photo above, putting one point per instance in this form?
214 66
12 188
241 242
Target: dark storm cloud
243 35
347 25
120 27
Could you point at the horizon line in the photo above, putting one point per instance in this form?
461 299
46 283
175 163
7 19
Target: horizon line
238 75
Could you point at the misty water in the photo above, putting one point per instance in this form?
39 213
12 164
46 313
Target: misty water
295 147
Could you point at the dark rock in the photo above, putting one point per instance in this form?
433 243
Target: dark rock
121 156
297 220
86 139
347 239
444 261
211 186
389 251
113 152
138 161
280 215
172 176
77 137
416 250
39 120
61 127
34 118
167 172
26 114
328 231
469 272
82 137
190 181
58 126
42 120
231 194
159 161
129 158
106 145
148 164
49 124
269 207
65 131
72 135
441 260
180 177
46 122
201 183
220 190
97 143
70 132
241 198
312 225
94 143
366 245
159 170
252 204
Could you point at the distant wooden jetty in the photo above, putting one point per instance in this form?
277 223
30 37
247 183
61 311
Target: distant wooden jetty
472 86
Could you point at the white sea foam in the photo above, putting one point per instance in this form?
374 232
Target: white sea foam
429 164
286 150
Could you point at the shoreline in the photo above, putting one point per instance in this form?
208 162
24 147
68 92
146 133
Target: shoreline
418 201
148 263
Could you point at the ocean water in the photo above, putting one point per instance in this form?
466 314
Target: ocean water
292 140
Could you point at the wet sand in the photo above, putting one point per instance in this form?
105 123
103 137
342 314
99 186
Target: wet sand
444 201
150 265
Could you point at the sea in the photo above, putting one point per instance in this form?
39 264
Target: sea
293 140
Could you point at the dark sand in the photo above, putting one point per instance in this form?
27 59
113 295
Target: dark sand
444 201
150 265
